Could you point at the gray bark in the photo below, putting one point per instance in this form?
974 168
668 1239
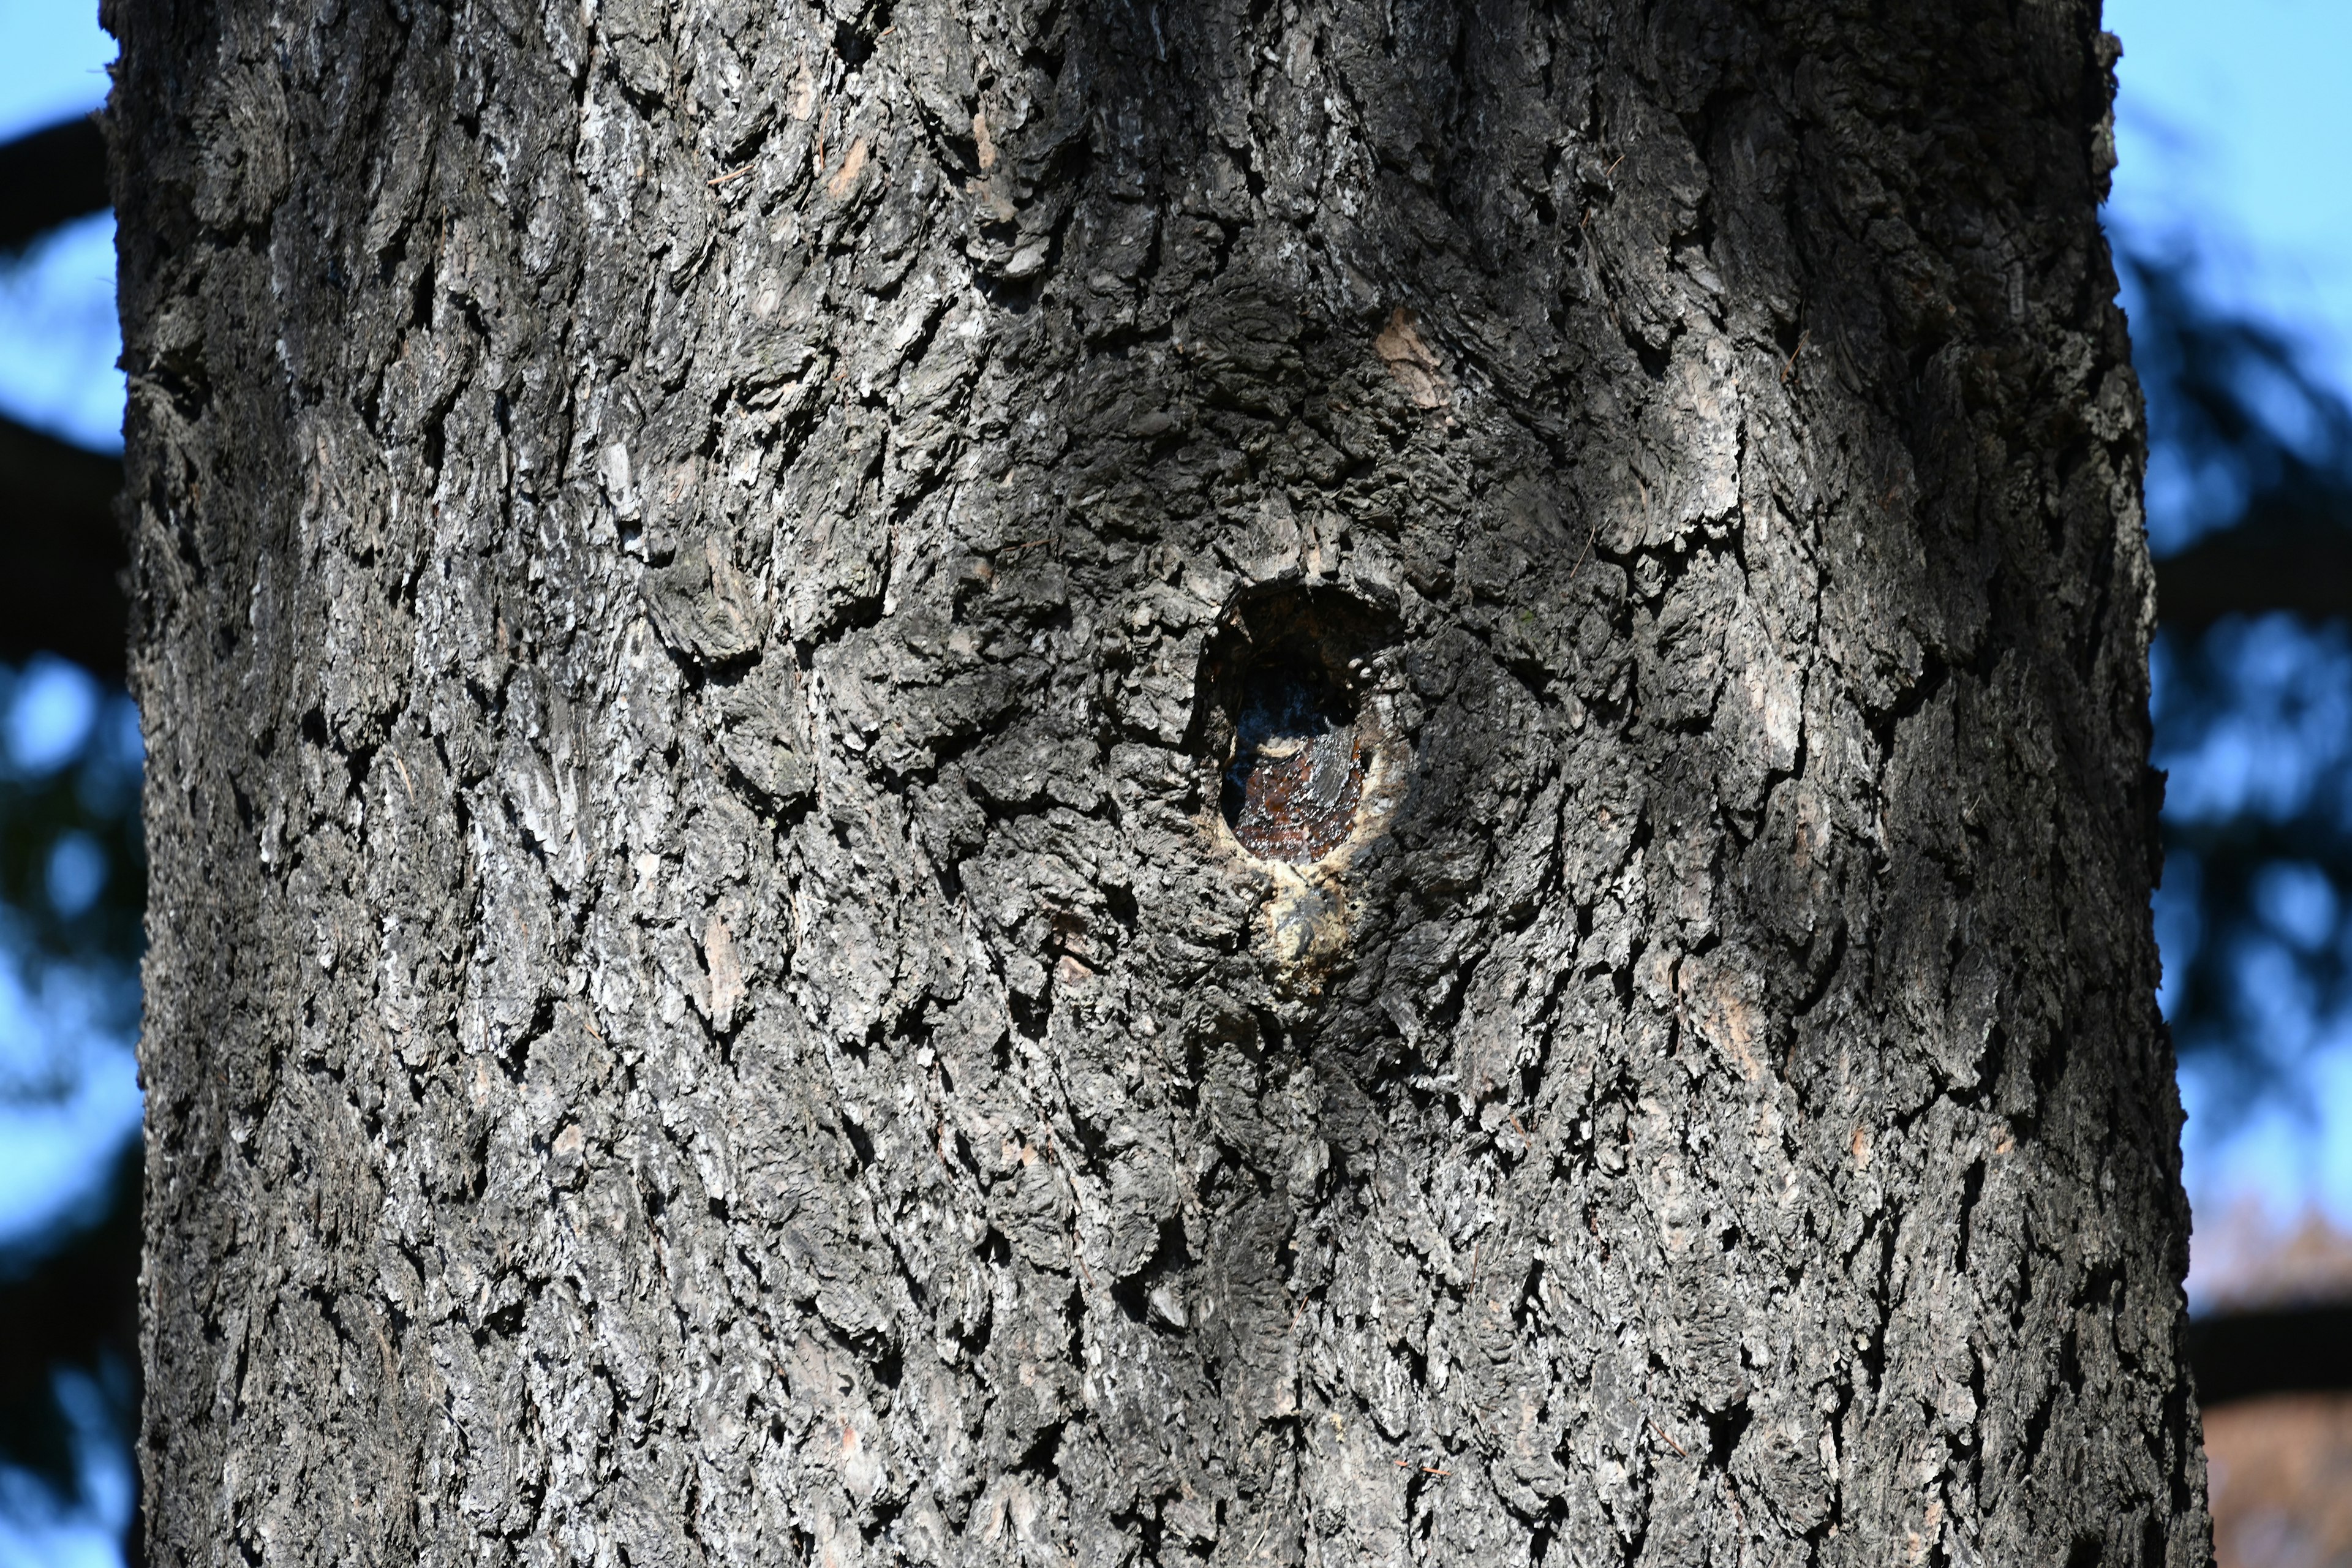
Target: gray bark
1097 782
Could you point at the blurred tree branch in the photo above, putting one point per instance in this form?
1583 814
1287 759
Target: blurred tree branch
2242 431
52 176
2283 1350
2302 567
62 591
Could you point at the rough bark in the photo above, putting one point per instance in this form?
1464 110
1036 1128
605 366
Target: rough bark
741 609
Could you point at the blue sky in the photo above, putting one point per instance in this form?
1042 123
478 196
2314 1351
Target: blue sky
59 338
2233 130
2234 124
53 59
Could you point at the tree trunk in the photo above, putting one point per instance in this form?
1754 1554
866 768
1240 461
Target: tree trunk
1121 782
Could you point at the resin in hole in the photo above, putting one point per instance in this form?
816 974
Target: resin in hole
1297 768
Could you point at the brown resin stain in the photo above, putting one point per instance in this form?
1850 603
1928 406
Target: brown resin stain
1296 795
1297 768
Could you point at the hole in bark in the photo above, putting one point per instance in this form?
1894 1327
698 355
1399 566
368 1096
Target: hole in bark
1539 1539
1153 1293
1724 1430
852 43
1530 1294
1294 721
1042 1451
1971 1190
1298 770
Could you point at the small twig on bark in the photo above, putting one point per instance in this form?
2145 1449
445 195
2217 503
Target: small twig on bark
1669 1442
1793 353
737 174
1581 554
